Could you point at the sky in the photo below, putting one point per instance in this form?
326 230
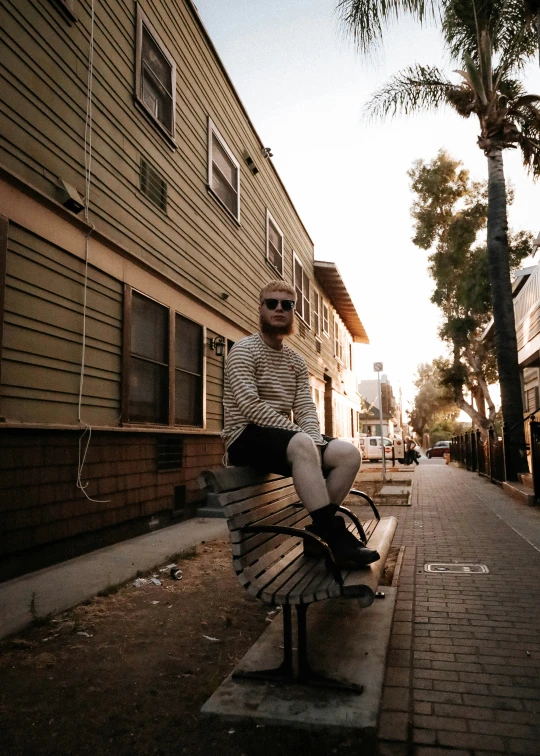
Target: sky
304 86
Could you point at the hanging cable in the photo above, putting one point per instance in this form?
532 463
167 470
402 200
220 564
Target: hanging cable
85 437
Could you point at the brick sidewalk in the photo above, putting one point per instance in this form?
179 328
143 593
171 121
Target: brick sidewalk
463 673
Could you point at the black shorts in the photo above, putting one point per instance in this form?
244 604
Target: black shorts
264 449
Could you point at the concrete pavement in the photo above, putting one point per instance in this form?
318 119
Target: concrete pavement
463 670
67 584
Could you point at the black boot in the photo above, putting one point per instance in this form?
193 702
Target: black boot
348 551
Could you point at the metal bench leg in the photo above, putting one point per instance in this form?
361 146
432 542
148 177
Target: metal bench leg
305 673
283 673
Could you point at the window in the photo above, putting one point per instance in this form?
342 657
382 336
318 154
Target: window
153 185
325 319
165 371
274 244
156 76
338 341
316 312
531 399
149 361
188 379
301 285
223 172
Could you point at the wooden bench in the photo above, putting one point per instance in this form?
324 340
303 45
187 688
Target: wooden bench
266 521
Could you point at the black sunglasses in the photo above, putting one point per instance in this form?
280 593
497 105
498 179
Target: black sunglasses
286 304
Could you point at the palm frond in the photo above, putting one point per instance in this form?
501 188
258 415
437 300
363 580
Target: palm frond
475 77
510 88
510 34
365 20
414 89
529 142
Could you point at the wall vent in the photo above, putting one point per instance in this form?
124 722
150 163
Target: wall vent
153 185
169 453
302 330
317 346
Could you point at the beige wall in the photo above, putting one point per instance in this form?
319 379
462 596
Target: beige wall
189 258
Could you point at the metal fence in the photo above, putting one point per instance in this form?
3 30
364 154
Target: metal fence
486 456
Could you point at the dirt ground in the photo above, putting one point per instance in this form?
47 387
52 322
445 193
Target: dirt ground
127 673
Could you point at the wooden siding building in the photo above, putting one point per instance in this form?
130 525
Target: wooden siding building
140 214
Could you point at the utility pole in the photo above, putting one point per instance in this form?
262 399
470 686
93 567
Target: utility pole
377 367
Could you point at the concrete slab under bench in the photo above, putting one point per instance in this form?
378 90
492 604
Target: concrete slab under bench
345 642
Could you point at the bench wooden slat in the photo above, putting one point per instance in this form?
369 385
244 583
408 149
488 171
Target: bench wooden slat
230 478
263 572
278 518
273 544
258 502
254 517
274 553
245 546
290 591
231 497
327 589
273 573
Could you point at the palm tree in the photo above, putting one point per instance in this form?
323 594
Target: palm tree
365 19
492 40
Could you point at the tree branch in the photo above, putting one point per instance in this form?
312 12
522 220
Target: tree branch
479 420
474 362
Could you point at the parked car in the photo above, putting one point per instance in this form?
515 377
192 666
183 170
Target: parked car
439 450
370 446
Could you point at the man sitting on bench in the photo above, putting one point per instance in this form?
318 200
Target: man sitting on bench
265 381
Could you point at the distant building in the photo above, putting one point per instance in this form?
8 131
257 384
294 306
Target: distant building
370 416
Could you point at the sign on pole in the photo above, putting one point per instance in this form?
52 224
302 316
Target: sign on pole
377 367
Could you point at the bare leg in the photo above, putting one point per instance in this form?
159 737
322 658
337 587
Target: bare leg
305 460
342 460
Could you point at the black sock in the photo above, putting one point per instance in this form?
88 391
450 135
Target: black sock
323 517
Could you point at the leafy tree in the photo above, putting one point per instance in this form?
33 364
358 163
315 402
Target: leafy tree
491 40
433 406
450 211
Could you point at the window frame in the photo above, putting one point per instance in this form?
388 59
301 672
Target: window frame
316 313
270 219
326 308
142 21
302 296
214 131
126 358
339 352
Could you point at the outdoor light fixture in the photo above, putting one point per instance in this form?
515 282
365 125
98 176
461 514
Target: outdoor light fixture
217 345
267 152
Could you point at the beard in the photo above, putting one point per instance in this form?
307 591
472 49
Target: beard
284 329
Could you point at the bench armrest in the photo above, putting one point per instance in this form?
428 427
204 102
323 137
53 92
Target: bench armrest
369 500
305 536
356 521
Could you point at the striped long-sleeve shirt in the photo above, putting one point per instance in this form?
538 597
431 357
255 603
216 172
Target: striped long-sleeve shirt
263 386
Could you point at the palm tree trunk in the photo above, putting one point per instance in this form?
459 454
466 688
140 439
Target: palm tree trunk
503 315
